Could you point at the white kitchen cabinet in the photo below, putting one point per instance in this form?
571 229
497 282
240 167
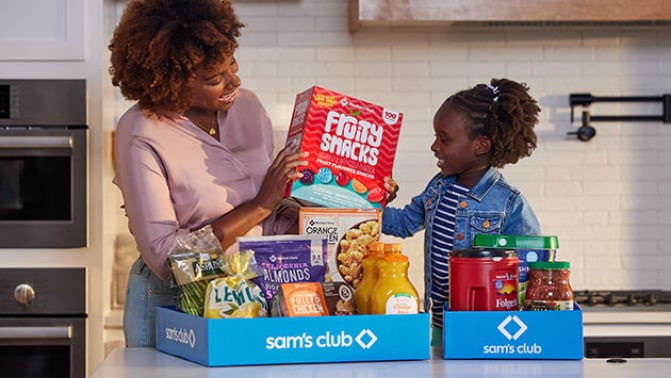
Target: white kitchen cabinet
42 30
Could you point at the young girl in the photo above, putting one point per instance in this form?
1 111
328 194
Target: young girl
476 131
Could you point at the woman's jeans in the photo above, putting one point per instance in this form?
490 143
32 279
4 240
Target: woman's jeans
145 292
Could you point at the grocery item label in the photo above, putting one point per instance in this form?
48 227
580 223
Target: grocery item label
287 258
348 233
401 303
352 144
544 305
505 286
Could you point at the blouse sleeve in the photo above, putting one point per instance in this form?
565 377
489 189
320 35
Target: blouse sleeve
151 216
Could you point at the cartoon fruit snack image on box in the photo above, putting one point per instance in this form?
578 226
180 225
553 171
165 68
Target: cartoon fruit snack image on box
352 144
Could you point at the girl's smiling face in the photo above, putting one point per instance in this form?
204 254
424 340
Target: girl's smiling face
458 153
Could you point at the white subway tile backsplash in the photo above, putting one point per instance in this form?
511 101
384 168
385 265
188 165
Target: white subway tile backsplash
410 69
372 68
373 54
557 68
478 71
260 38
569 53
335 54
307 38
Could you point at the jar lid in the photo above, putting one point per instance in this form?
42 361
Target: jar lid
483 253
515 241
549 265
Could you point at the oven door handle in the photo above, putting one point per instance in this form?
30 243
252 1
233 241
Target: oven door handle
36 142
60 332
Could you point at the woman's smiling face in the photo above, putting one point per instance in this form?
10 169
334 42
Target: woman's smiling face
216 89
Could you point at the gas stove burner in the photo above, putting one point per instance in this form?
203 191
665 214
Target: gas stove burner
622 297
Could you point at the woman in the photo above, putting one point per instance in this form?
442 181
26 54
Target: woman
196 149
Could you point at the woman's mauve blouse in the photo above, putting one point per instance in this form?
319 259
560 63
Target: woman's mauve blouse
174 177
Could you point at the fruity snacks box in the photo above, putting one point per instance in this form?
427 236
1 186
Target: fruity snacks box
352 144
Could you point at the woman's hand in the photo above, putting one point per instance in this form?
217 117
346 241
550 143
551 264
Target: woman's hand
280 173
391 187
241 219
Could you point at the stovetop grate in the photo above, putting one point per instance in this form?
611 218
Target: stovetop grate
622 297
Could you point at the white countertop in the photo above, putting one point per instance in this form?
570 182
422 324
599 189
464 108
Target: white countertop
149 362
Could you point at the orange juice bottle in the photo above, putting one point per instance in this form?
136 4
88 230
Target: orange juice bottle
393 293
369 263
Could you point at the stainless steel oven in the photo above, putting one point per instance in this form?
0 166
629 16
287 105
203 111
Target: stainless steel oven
626 323
43 322
43 164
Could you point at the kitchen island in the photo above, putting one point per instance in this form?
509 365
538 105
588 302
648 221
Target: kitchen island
149 362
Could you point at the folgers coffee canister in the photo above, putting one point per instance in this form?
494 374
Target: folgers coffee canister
529 249
483 279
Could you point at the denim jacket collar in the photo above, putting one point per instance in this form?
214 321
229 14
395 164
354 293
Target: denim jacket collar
481 188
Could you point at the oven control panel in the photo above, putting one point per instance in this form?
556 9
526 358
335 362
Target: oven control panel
33 291
5 101
42 102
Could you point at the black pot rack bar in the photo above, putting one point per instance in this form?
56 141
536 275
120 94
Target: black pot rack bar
587 132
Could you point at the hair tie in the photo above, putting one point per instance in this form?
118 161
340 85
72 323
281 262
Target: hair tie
495 92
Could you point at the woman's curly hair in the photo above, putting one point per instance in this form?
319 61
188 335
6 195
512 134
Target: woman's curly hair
159 45
504 112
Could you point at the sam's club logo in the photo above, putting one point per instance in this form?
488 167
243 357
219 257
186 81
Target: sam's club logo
181 335
364 339
506 328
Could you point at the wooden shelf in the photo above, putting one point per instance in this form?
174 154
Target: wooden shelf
430 12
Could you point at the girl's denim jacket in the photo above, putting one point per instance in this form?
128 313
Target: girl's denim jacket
492 206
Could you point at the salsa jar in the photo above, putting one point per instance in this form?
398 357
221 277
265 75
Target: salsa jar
549 287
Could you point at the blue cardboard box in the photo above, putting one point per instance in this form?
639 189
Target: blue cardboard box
228 342
529 335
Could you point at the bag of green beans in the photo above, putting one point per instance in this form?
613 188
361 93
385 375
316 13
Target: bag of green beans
195 260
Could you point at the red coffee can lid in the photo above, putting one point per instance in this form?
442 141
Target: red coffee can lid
483 253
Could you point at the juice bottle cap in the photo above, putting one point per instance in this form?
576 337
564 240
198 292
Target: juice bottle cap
392 247
376 247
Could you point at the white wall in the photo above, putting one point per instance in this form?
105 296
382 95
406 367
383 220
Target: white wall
609 200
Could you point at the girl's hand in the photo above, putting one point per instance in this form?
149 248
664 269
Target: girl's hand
279 174
391 187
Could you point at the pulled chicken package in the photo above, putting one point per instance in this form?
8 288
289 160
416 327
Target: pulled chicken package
195 260
236 296
299 299
286 259
313 299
